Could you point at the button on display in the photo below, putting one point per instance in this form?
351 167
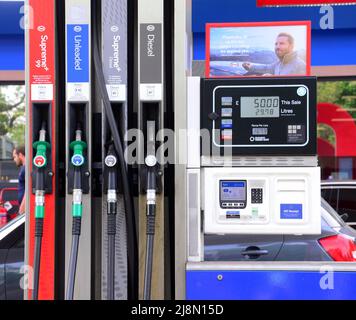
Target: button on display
226 112
226 124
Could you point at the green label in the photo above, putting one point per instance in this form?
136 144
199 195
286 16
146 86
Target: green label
77 210
39 212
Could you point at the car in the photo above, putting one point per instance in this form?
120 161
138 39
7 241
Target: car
9 201
12 253
341 195
335 243
3 216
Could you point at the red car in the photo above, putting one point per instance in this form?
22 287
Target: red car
8 203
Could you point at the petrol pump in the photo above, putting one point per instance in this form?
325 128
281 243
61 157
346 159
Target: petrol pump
78 213
255 170
41 160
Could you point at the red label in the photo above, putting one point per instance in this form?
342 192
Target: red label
39 161
41 66
42 42
263 3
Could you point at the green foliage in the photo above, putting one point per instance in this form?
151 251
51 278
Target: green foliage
12 113
342 93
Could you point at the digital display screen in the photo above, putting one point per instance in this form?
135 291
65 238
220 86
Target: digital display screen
259 107
233 190
260 131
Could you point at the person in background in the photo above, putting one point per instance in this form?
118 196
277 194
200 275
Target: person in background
18 155
288 62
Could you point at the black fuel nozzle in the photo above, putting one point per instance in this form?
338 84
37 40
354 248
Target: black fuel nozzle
111 167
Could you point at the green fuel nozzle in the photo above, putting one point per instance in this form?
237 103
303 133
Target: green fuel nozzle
39 161
41 146
78 146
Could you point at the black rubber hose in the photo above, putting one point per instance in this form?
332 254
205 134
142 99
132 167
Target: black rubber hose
148 267
37 256
128 199
150 232
111 250
111 268
76 228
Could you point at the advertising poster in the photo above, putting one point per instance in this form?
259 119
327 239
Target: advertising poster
258 49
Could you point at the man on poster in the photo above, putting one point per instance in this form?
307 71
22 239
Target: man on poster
288 62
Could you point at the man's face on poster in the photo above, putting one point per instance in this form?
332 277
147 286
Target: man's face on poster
282 47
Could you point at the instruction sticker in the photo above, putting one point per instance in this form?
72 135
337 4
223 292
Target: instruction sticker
291 211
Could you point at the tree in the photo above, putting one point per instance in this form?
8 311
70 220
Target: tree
12 113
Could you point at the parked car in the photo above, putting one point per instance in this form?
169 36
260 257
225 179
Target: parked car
336 242
12 242
9 201
341 195
3 216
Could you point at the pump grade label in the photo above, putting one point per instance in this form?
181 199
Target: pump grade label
39 161
78 62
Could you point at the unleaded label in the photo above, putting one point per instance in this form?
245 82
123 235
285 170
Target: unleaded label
78 53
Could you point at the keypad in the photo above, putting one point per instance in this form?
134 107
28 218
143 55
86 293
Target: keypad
257 195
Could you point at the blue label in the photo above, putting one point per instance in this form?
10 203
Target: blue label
232 184
233 214
77 160
78 52
291 211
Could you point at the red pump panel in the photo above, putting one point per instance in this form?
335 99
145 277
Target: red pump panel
41 66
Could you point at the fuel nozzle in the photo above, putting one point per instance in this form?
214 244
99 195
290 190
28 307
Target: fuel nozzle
110 163
41 146
39 161
151 189
111 168
78 146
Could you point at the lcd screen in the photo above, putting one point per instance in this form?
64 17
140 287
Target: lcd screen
233 191
259 107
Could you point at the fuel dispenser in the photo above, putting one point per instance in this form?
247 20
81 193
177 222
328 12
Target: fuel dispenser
119 243
151 107
254 172
78 254
41 164
268 128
